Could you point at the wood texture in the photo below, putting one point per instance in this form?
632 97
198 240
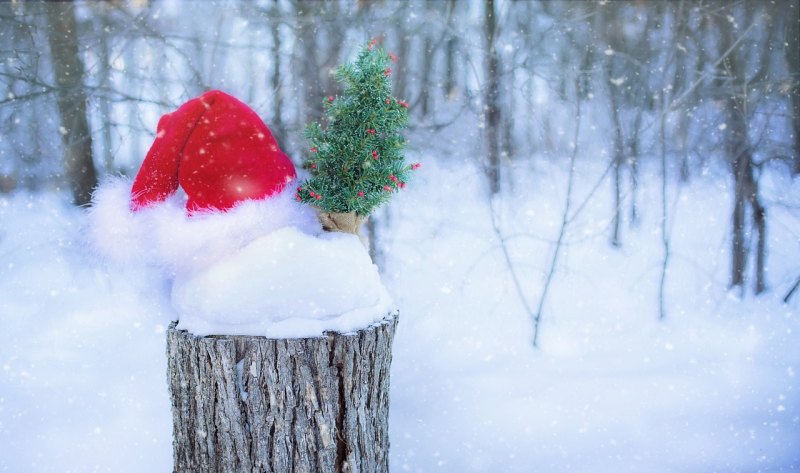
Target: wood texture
253 404
68 71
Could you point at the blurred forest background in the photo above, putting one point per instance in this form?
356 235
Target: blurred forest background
678 88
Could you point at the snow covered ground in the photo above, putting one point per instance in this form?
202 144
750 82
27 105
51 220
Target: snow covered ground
611 389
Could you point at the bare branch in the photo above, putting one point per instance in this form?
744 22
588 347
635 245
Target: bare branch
565 220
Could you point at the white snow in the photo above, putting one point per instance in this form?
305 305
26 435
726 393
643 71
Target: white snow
284 284
263 268
612 389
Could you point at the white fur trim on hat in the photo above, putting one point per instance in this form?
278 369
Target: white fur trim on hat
164 235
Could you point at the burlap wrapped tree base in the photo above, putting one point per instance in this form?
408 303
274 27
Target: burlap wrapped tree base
252 404
341 222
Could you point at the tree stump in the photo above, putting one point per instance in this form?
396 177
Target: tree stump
254 404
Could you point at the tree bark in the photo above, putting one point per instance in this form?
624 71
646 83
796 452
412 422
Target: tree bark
619 158
308 86
425 76
101 12
665 241
253 404
792 38
737 149
492 98
743 169
68 70
633 166
276 79
450 52
403 39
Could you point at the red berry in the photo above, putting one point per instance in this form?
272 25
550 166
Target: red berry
375 155
393 178
387 72
401 185
387 188
415 166
313 165
370 131
318 197
393 57
314 149
388 101
330 98
361 193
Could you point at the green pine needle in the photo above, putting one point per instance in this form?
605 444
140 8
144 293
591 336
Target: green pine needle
356 161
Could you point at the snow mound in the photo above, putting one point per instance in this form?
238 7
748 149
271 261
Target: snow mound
263 268
285 284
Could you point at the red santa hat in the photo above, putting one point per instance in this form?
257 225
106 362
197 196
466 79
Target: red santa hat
236 181
218 151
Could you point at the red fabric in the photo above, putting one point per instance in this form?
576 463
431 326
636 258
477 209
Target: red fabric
218 150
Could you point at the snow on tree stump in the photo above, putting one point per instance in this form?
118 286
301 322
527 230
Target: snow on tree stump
255 404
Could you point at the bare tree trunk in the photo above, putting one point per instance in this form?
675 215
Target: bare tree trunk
492 99
633 165
796 112
131 109
792 39
736 148
277 93
738 245
760 222
619 155
425 76
683 138
507 149
682 81
401 78
62 35
317 42
253 404
745 192
665 242
740 153
104 68
308 90
450 52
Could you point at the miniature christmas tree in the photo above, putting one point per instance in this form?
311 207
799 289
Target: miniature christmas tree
356 162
